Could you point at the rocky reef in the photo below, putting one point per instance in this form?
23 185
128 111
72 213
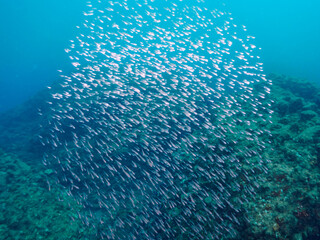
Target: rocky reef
28 209
286 205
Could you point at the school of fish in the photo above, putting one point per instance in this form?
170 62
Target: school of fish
158 133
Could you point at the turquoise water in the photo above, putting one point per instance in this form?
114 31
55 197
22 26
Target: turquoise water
161 120
287 31
35 33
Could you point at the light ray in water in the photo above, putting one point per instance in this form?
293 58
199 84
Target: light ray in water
158 131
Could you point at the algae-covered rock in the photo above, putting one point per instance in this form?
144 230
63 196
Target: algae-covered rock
4 232
309 134
308 115
282 107
48 171
288 205
3 180
295 105
28 209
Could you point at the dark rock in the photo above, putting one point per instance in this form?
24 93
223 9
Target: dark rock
282 107
308 115
295 105
3 180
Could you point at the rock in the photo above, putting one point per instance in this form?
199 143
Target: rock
295 105
309 134
310 106
3 180
282 107
4 232
308 115
297 236
48 171
276 227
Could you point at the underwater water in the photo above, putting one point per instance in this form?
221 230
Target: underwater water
287 31
36 34
149 126
161 123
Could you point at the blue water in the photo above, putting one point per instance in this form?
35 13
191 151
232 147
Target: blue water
35 33
33 37
146 132
159 126
287 31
